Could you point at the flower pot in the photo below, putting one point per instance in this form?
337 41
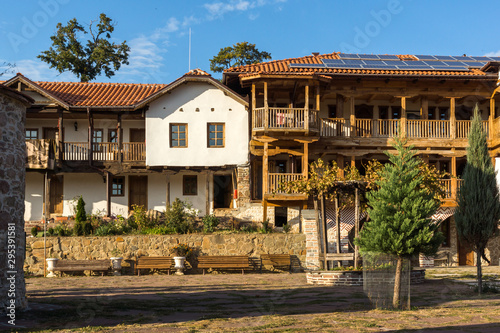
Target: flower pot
117 265
179 265
51 264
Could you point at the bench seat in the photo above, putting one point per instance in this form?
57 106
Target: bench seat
160 262
98 265
277 260
224 262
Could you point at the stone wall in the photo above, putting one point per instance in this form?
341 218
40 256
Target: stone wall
129 247
355 278
12 180
243 185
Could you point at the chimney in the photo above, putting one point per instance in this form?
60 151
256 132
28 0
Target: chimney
315 54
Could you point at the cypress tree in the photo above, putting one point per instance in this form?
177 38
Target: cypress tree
400 212
478 210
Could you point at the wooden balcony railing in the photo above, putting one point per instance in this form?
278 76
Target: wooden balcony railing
104 151
275 179
40 154
450 187
385 128
295 119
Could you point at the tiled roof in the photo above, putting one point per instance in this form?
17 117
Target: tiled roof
100 94
280 67
197 72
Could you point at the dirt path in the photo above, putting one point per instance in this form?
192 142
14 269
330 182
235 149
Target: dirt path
250 302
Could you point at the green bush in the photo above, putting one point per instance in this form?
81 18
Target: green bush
50 231
286 228
80 211
210 223
34 231
266 228
180 217
141 219
61 231
159 230
82 228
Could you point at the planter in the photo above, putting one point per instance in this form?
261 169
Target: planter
117 265
51 264
179 265
425 261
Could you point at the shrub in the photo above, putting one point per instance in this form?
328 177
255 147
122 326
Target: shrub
210 223
83 228
80 211
286 228
61 231
141 219
50 231
180 217
34 231
159 230
265 227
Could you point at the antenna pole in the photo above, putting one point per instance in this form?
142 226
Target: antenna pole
189 49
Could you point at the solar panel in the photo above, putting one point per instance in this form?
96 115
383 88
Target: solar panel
348 56
373 62
333 61
425 57
353 62
307 66
444 57
368 56
495 58
482 58
473 64
464 58
388 57
392 62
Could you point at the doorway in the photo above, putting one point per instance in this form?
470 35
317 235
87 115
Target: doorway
223 191
280 216
56 195
465 254
138 191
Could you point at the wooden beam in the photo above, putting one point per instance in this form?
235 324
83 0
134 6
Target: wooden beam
453 120
167 190
424 107
403 115
490 119
266 107
318 98
305 161
306 108
119 137
340 106
265 169
207 192
352 116
60 139
91 135
108 194
264 210
340 164
337 225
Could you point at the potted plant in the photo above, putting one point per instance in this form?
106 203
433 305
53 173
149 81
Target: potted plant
180 252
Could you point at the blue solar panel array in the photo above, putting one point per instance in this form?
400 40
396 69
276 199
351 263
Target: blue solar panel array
393 62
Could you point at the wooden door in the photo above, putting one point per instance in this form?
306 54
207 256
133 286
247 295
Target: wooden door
56 195
50 132
138 191
137 135
465 254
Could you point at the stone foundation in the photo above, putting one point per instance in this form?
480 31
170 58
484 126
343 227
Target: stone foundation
130 247
354 278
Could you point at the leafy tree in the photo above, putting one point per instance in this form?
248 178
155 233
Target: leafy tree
68 52
237 55
478 210
400 212
80 215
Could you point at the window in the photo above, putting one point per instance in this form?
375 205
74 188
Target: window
332 111
190 185
445 229
112 135
118 187
97 136
215 135
178 135
31 134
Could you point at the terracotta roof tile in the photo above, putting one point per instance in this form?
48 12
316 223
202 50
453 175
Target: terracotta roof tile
283 67
197 72
100 94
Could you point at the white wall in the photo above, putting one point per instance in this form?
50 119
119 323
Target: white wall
33 200
197 201
190 96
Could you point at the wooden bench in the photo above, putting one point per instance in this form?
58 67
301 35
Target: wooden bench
100 265
276 260
224 262
153 263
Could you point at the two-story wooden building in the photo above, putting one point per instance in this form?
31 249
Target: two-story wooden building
119 145
346 107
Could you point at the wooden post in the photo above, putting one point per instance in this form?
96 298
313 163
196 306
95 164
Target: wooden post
306 108
325 229
108 194
254 106
376 117
490 119
356 227
453 120
264 212
318 99
454 181
91 135
424 108
266 108
353 161
352 116
265 169
207 193
305 161
119 137
60 143
337 225
340 164
167 197
403 116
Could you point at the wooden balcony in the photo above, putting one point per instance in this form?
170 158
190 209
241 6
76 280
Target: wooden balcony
105 151
274 181
451 188
294 120
40 154
386 128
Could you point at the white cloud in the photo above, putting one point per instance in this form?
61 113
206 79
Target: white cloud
37 70
493 54
219 9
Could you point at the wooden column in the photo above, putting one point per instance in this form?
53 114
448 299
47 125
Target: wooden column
167 190
376 117
305 161
108 194
356 226
265 169
340 164
403 116
264 210
266 107
119 137
60 139
453 120
454 182
353 161
306 108
207 192
424 107
254 102
91 134
491 118
352 116
47 197
340 106
318 99
389 112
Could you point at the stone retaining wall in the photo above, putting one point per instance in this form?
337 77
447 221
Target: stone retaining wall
129 247
353 278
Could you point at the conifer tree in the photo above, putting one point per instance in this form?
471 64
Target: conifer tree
400 212
478 210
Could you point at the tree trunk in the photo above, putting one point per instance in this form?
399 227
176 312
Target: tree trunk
396 300
479 253
325 230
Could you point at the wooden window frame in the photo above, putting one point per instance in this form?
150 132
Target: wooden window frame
185 187
223 135
110 138
32 130
120 180
178 132
94 136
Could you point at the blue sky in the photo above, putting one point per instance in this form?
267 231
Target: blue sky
158 31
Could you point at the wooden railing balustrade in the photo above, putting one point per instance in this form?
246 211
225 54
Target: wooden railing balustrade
104 151
76 151
334 127
285 119
275 179
134 151
448 186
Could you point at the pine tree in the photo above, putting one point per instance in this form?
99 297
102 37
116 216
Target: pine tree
478 210
81 216
400 212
